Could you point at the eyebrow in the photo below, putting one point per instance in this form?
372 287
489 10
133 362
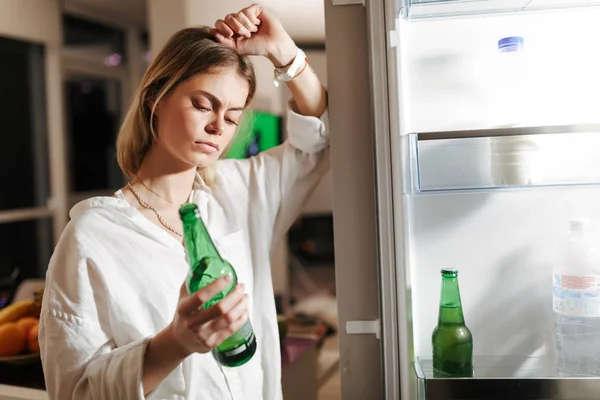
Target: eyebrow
215 100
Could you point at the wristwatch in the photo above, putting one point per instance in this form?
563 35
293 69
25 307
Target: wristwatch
289 72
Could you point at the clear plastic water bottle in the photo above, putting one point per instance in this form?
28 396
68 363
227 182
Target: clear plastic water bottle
576 304
512 157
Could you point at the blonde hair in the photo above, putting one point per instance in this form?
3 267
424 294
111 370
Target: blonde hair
188 52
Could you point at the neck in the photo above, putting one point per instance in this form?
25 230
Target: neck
450 304
169 178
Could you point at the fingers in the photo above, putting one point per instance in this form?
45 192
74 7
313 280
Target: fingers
226 320
253 12
236 24
218 337
244 23
220 309
223 29
194 301
228 41
183 291
218 322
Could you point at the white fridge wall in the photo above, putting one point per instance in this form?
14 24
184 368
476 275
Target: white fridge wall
504 243
451 66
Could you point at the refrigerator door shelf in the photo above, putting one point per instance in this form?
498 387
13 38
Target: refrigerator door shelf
419 9
501 159
510 377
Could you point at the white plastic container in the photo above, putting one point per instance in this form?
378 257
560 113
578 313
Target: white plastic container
576 303
513 160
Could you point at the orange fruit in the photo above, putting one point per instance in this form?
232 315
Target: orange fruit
33 345
12 339
27 323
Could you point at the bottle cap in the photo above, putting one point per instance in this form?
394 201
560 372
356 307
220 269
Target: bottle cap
511 43
451 271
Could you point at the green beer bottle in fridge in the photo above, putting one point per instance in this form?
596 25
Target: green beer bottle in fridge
206 266
451 340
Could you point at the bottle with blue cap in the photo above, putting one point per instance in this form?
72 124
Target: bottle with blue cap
512 158
512 82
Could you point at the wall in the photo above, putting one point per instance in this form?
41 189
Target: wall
31 20
504 243
164 19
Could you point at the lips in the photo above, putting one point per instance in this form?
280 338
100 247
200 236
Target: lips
205 143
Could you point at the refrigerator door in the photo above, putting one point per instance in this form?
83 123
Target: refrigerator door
374 195
506 237
367 208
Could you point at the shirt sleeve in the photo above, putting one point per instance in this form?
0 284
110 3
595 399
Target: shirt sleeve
280 180
304 161
79 358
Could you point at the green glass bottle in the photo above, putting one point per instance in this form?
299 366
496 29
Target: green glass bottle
451 339
206 266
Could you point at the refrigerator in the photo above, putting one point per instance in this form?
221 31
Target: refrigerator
413 106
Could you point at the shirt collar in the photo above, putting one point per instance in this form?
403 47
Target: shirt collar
200 184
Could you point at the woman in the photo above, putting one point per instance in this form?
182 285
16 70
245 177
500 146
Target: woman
117 323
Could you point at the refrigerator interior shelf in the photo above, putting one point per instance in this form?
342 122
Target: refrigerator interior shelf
503 159
505 377
421 9
511 131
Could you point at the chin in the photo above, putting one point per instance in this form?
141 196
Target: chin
203 160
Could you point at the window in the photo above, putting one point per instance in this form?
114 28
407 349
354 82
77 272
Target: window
25 226
95 76
93 118
93 41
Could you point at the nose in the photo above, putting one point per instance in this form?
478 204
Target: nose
215 126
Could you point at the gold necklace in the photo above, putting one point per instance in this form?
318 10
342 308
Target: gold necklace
148 206
153 192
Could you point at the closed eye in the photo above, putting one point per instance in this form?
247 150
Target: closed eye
200 107
230 121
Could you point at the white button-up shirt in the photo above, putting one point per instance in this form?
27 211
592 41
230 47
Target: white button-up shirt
114 278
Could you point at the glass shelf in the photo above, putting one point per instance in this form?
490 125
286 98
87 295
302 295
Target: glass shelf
501 159
509 377
419 9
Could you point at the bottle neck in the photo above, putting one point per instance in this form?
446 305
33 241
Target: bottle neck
198 242
450 305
